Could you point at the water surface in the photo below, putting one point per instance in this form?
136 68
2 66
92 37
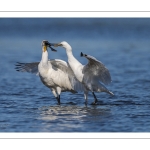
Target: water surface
123 45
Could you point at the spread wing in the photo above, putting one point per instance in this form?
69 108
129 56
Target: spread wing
27 67
96 69
56 64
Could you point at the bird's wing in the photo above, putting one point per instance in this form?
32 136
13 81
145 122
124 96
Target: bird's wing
27 67
59 64
56 64
96 69
64 66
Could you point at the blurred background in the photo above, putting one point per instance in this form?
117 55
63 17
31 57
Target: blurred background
122 44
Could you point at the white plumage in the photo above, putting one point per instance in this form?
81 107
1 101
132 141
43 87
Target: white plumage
55 74
90 75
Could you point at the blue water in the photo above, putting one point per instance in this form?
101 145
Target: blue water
122 44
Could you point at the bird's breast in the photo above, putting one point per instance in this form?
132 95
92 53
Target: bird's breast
46 80
45 76
78 73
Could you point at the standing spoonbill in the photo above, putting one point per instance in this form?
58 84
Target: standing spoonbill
56 74
90 75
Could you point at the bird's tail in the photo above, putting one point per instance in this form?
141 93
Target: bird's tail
101 88
111 93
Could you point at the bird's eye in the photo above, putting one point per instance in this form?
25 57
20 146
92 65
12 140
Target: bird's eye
46 42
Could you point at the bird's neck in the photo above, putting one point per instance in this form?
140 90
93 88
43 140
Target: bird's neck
69 53
75 65
71 58
44 59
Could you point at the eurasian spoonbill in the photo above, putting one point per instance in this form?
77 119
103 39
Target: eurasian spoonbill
55 74
90 75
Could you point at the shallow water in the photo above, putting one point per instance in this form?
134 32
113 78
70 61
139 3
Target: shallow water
123 45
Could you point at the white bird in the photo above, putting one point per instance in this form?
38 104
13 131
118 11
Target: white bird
89 75
55 74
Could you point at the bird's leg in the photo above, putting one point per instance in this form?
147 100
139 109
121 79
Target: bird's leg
94 98
86 96
56 96
58 99
86 103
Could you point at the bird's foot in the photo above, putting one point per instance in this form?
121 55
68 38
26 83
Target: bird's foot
94 103
58 102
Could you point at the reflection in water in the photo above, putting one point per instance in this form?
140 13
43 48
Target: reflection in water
62 116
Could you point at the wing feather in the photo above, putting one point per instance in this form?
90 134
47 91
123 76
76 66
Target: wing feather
27 67
56 64
96 69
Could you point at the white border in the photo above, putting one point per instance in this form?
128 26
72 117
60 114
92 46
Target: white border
74 5
72 135
71 14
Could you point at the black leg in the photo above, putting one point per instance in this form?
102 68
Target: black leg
58 99
94 98
85 103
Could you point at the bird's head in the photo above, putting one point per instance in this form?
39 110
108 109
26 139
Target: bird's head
63 44
46 44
